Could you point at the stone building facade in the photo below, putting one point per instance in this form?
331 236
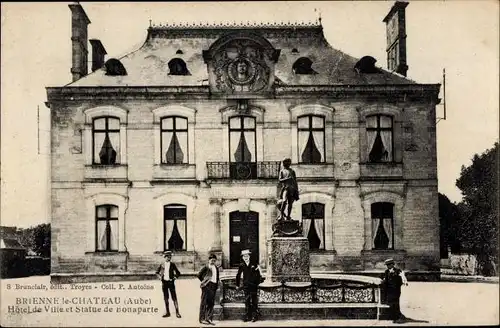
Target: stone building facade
178 146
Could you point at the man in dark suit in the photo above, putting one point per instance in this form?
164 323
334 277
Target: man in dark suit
251 279
167 272
392 281
209 277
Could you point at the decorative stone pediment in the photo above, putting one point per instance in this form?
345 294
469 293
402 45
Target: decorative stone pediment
241 64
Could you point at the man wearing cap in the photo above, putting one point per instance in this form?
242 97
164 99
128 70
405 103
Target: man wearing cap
392 281
167 272
209 277
251 279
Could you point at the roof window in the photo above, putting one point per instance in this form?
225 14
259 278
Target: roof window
114 67
178 66
366 65
303 66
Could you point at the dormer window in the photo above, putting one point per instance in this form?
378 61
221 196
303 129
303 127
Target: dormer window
178 66
366 65
303 65
115 68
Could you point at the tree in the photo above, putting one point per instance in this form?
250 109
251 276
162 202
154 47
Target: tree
478 228
36 238
449 216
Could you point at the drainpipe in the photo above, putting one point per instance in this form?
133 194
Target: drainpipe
125 225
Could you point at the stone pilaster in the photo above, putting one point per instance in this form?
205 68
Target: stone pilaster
216 213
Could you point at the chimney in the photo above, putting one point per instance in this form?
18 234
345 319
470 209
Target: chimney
79 23
396 38
98 53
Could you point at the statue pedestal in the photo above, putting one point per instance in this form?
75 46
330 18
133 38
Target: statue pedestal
287 261
287 228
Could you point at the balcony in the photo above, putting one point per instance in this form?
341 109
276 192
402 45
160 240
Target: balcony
243 170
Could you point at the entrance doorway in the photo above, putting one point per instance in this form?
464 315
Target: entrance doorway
243 234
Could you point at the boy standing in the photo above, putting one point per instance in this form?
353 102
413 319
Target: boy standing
168 272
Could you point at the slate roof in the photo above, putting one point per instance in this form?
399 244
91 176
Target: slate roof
147 66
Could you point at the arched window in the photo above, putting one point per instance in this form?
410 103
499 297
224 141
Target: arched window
303 65
174 140
114 67
178 66
106 140
313 224
106 228
379 134
311 138
382 225
174 227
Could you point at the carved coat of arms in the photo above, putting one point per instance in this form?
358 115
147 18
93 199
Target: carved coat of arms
241 67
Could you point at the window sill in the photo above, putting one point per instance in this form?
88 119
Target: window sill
98 171
174 171
388 169
106 253
174 253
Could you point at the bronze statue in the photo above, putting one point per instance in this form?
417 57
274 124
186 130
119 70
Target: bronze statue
289 190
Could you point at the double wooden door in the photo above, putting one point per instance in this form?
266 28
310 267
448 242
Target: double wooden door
243 234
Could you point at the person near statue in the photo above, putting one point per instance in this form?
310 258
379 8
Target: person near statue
392 280
252 277
209 277
289 191
167 272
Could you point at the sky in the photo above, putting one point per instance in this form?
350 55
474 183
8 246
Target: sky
461 36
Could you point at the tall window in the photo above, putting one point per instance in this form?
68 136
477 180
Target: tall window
242 139
174 216
379 135
242 147
106 135
107 228
313 224
311 131
383 225
174 140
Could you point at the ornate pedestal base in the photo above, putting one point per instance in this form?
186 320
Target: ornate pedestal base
287 261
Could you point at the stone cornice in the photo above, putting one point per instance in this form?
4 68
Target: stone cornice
126 92
391 91
395 92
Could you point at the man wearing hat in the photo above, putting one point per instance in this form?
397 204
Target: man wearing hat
251 279
167 272
392 281
209 277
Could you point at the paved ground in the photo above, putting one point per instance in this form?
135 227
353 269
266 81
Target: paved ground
430 303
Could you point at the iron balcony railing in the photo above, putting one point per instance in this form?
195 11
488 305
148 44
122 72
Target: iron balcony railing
243 170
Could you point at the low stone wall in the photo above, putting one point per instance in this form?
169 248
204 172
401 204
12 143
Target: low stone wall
461 264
